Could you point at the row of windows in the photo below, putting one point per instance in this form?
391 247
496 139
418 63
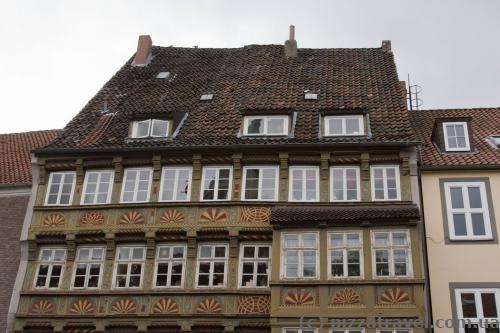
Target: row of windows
255 266
260 183
456 137
278 125
300 253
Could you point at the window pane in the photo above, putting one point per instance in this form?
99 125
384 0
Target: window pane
255 126
160 128
263 252
142 128
137 253
291 241
248 252
337 240
474 197
309 240
353 240
459 224
457 200
352 126
335 126
178 252
399 239
489 305
468 305
478 228
220 252
381 239
276 126
206 251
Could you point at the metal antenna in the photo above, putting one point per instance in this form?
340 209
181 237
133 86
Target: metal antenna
414 101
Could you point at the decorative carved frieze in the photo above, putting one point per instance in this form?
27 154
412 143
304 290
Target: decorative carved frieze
213 215
253 304
124 306
345 296
255 214
394 296
54 220
165 306
91 218
82 307
132 217
209 306
172 216
43 306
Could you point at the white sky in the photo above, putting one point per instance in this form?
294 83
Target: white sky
55 55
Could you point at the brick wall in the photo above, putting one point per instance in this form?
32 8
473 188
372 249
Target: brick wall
12 211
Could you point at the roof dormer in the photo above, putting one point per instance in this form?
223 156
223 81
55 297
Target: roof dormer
452 134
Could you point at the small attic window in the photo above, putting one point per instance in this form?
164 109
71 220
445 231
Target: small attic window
163 75
265 125
310 95
351 125
156 128
206 97
456 136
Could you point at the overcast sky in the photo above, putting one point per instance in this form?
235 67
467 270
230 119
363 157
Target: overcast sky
55 55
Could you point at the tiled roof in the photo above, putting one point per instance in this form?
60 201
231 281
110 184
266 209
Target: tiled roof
255 78
343 214
484 122
15 155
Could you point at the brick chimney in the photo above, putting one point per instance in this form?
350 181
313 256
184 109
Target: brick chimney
386 45
143 54
291 44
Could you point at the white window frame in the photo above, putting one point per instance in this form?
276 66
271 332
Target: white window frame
216 185
259 195
340 330
390 248
303 169
99 175
359 118
395 330
63 173
176 169
170 261
51 263
150 123
299 330
384 171
467 211
344 183
300 250
255 261
479 306
344 249
88 263
129 263
247 119
466 136
136 184
212 260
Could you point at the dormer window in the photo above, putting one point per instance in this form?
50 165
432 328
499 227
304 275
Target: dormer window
456 136
344 125
265 125
150 128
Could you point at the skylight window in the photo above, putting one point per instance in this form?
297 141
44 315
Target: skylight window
163 75
150 128
206 97
494 140
265 125
310 95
